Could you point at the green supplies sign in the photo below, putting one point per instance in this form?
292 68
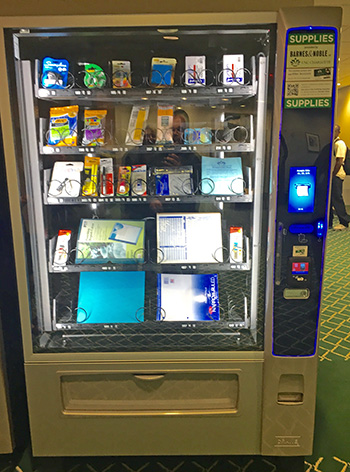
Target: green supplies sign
311 38
307 103
309 70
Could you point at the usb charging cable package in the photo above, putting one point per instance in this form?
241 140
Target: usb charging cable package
195 75
233 69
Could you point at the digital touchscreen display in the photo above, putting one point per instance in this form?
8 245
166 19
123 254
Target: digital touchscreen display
302 182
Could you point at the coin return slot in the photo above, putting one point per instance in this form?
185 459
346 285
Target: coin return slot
291 389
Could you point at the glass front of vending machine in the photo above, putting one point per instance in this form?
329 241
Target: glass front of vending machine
164 311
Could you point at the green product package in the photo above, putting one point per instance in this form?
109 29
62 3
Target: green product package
94 76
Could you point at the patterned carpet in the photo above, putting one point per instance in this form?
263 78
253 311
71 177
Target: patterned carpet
335 320
332 429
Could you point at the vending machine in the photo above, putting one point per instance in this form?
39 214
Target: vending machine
168 179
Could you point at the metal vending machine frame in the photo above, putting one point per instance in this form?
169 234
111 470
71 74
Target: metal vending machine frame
208 401
6 440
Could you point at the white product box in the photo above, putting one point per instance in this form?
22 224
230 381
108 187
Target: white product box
234 63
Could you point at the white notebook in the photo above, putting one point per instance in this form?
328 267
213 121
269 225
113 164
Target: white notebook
189 238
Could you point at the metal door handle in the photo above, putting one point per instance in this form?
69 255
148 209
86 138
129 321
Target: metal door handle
149 377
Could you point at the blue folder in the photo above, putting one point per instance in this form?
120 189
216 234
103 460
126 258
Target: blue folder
111 297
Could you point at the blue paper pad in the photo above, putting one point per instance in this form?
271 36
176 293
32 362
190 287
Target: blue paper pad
111 297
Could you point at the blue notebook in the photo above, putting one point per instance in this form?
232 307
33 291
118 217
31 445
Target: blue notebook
111 297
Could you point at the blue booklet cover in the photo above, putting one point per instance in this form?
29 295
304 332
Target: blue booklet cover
188 297
222 176
111 297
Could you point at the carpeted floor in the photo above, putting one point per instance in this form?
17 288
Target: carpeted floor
332 429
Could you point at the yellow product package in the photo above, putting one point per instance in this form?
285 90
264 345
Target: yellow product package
63 129
94 127
90 176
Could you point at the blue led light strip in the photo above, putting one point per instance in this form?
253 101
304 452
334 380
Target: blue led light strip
290 31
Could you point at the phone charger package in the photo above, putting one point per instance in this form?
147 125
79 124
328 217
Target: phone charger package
233 69
195 71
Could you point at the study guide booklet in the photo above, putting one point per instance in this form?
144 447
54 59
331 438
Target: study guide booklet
222 176
95 246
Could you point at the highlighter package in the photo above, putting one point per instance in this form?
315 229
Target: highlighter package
165 124
137 120
106 177
162 71
124 178
94 127
63 127
54 73
121 73
90 176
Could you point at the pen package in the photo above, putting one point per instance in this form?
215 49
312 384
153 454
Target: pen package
94 127
90 176
63 126
124 177
106 177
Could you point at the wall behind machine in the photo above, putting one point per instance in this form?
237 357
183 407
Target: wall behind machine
89 7
342 118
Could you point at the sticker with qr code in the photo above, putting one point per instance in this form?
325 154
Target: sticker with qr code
292 90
